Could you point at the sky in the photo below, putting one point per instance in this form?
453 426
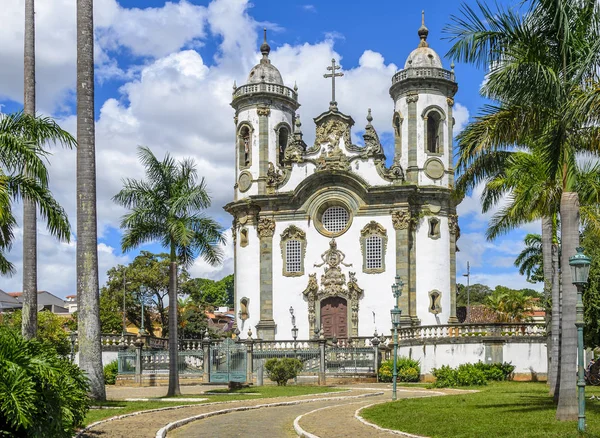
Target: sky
164 76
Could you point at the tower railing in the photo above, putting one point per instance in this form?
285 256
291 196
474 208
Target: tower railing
264 87
423 72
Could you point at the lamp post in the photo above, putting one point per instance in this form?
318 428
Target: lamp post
468 275
396 313
142 302
375 343
580 270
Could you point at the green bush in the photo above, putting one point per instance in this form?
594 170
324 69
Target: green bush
41 393
409 370
282 370
469 374
110 372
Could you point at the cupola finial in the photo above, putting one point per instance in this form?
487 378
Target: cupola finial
265 49
423 31
369 117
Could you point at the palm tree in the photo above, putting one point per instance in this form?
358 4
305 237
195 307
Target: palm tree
88 293
537 64
19 151
167 207
29 328
530 261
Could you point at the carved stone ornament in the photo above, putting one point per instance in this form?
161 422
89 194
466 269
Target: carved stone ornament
234 227
263 111
373 148
266 227
245 181
373 228
450 101
395 173
412 98
434 168
333 284
332 131
293 232
453 224
333 160
401 219
274 179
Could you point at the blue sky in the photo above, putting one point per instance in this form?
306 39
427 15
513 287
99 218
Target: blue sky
164 76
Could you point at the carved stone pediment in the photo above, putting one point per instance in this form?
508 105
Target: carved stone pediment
275 179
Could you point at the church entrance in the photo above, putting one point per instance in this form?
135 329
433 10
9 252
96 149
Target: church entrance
334 317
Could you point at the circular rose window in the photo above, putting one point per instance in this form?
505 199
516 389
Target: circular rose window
335 219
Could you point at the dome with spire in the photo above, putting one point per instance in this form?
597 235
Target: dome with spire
423 55
264 71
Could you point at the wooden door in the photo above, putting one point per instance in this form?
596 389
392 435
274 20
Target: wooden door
334 317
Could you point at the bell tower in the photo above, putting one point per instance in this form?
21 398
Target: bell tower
423 94
264 118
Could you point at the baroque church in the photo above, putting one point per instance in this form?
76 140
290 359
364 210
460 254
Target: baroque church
325 229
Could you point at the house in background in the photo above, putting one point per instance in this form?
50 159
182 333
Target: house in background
7 302
46 301
71 303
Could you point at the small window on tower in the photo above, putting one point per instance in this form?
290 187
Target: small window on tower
244 147
433 132
282 143
434 228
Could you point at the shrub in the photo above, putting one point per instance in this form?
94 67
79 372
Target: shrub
496 371
41 393
282 370
110 372
469 374
409 370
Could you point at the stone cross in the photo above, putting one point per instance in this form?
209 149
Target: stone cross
333 75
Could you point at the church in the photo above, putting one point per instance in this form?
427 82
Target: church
326 228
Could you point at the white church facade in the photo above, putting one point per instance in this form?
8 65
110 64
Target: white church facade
326 228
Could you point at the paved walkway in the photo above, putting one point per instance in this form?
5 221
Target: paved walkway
337 420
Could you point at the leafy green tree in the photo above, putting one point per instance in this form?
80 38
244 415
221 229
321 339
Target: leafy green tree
477 294
211 292
168 207
591 292
538 62
41 393
529 261
509 305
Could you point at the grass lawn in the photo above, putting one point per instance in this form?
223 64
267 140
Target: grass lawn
114 408
501 409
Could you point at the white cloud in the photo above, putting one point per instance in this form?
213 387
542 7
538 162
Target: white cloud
461 118
309 8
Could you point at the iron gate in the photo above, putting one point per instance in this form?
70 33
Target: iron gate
227 362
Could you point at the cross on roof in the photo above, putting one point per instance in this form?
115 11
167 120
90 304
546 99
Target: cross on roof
333 75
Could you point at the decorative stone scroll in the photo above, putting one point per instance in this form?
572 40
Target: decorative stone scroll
401 219
274 179
453 224
265 227
263 111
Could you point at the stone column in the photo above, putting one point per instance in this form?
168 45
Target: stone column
249 359
266 326
454 233
263 147
412 171
401 222
322 343
139 343
206 358
234 229
412 276
450 120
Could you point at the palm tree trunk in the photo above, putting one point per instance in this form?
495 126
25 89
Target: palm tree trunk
567 398
556 324
90 348
173 341
29 321
547 264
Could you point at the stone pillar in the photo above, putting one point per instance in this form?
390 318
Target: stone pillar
450 164
206 359
454 232
139 343
401 222
322 343
412 171
412 278
263 147
249 359
266 326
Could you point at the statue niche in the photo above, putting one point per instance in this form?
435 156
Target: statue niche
333 284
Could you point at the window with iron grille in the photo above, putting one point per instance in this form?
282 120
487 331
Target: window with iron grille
293 256
335 219
374 252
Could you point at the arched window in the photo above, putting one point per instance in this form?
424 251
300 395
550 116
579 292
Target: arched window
435 304
397 122
373 246
433 120
245 146
282 141
293 248
433 133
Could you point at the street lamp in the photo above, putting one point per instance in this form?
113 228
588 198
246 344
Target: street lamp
468 275
580 270
142 301
396 313
375 343
294 328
